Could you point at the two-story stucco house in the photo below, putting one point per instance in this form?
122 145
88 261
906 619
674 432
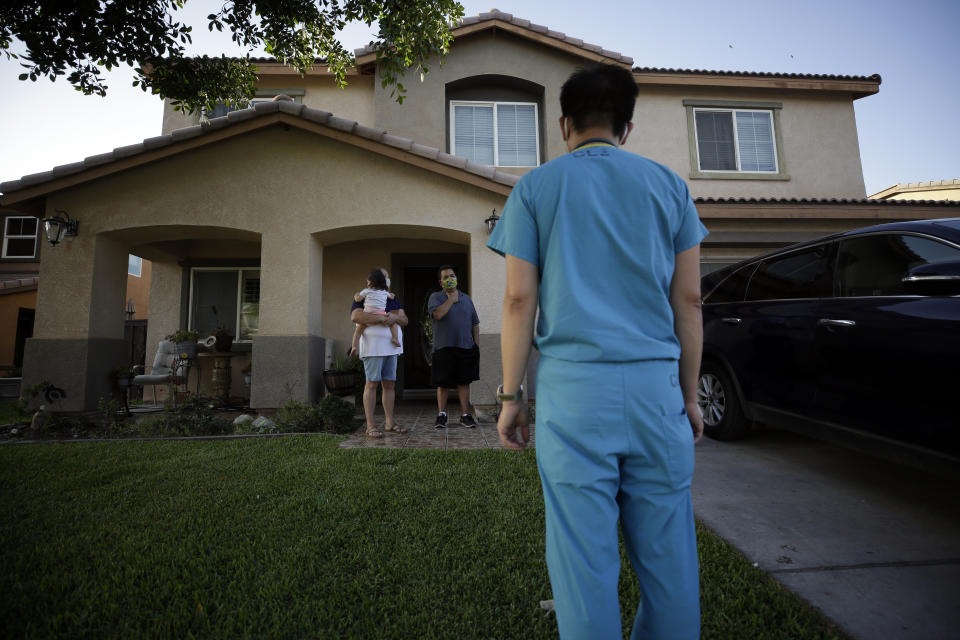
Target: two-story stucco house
274 214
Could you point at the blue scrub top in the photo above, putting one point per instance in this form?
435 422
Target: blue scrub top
603 226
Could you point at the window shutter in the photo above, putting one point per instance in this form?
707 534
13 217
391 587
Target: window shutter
755 139
516 135
473 133
715 141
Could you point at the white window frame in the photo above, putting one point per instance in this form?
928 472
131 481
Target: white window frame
496 138
139 263
239 272
7 237
736 139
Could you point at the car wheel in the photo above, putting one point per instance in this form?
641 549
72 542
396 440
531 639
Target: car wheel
723 417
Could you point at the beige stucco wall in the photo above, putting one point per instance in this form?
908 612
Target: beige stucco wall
422 116
306 193
355 102
821 151
929 194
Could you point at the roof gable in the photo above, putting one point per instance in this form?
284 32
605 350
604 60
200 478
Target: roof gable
262 115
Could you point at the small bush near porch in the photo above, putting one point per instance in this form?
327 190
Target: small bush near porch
295 538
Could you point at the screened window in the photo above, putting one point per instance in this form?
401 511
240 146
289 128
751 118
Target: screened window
503 134
876 265
735 140
224 297
134 265
801 274
20 237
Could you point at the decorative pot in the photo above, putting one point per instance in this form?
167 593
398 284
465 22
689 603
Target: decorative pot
339 383
187 349
224 342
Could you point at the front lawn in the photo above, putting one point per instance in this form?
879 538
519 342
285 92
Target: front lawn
294 538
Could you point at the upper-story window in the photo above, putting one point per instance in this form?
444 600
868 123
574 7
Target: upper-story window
735 139
504 134
20 237
495 120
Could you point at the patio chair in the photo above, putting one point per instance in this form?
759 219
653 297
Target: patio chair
167 368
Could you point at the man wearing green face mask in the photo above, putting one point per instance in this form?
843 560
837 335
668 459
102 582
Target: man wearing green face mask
456 356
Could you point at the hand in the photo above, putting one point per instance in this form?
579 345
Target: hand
696 420
513 425
353 350
453 296
389 320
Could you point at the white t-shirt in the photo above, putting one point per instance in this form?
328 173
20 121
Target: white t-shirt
375 299
375 341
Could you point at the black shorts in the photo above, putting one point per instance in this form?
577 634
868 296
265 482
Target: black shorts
453 366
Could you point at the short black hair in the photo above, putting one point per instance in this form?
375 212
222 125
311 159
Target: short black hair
444 268
376 279
599 95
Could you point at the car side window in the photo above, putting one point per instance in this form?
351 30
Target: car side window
875 265
733 288
801 274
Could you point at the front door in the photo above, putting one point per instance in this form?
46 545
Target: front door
414 277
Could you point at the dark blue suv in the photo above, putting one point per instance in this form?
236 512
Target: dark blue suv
853 337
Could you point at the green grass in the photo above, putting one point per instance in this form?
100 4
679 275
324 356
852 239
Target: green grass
294 538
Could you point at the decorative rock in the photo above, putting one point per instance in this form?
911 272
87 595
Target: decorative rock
242 420
264 422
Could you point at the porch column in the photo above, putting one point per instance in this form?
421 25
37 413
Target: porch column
288 349
166 291
79 323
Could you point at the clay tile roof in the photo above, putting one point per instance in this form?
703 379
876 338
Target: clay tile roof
826 201
260 110
759 74
509 18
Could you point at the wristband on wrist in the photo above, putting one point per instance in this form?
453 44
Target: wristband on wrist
509 397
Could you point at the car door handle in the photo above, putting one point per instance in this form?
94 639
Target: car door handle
731 320
827 322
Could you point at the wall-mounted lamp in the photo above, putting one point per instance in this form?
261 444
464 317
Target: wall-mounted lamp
57 228
492 221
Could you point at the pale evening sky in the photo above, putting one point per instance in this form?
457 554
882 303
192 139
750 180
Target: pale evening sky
907 131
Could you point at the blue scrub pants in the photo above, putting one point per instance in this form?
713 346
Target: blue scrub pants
613 442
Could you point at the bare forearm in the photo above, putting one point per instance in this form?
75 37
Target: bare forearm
476 334
519 311
360 316
442 310
689 327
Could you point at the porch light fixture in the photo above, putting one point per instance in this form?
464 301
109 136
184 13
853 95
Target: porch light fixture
492 221
57 228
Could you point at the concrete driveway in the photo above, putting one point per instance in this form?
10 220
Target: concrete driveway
874 545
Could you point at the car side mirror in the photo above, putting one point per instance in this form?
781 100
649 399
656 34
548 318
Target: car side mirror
936 279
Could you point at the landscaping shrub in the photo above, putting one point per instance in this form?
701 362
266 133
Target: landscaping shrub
296 416
337 414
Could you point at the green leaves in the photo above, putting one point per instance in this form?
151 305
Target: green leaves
76 39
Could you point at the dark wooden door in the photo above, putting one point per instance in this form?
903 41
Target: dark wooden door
414 276
25 319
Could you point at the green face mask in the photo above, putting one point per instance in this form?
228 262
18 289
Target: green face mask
450 282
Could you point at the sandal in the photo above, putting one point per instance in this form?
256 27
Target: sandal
373 432
395 429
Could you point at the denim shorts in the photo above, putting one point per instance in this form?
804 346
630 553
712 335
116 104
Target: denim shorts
379 368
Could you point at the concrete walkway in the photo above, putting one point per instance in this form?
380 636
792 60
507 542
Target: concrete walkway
418 417
874 545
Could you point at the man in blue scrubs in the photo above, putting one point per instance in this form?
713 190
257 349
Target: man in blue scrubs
608 243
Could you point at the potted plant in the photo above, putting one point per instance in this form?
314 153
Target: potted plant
123 376
341 378
223 336
186 341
